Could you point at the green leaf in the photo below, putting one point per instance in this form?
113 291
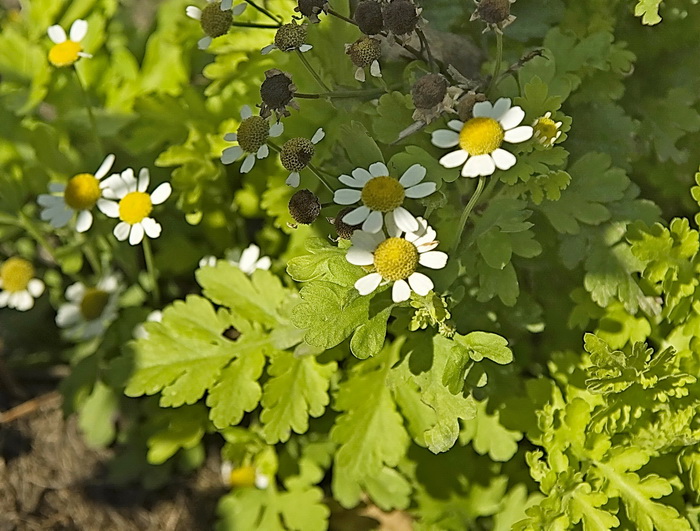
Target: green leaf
586 506
394 111
179 428
480 345
649 11
488 436
362 150
96 417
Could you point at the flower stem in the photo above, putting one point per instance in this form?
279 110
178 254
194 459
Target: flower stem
313 72
91 115
342 17
345 93
148 257
28 225
265 12
468 210
314 170
426 47
255 25
499 59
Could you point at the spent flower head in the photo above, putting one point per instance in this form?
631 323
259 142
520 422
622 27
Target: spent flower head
67 49
546 130
432 95
480 138
289 37
495 13
88 311
80 195
18 287
342 229
296 154
369 18
128 201
365 52
401 16
277 91
216 19
311 9
252 135
396 259
304 207
382 196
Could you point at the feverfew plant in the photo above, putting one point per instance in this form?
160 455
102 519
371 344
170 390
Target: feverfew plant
463 288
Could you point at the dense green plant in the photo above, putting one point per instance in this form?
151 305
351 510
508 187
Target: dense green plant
548 381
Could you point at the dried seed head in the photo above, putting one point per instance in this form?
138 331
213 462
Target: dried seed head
296 153
311 8
400 17
368 16
493 11
277 91
429 91
304 207
215 22
363 52
253 133
290 36
466 104
344 230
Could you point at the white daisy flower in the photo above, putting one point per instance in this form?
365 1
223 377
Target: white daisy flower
546 130
289 37
382 194
395 259
79 195
156 316
250 260
18 287
481 137
133 206
89 310
243 476
67 49
216 19
296 154
251 136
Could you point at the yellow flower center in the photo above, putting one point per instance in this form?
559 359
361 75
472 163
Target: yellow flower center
93 303
15 274
545 130
134 207
82 192
395 259
383 194
242 477
480 136
64 53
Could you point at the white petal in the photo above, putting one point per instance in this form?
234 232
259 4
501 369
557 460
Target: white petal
104 167
293 179
151 227
360 74
238 9
144 178
444 138
500 108
360 257
405 220
413 175
231 154
357 216
23 301
129 180
121 231
4 298
375 69
84 221
263 263
454 159
511 118
246 112
276 129
114 187
482 109
248 163
57 34
204 42
57 187
345 196
519 134
379 169
35 287
420 283
78 30
249 256
226 5
361 175
366 241
368 283
421 190
349 181
318 136
161 193
83 54
305 47
193 12
479 165
374 222
504 160
136 235
433 259
400 291
392 230
263 152
455 125
49 201
230 137
68 315
108 208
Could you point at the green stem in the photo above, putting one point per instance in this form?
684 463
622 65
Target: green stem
311 70
91 115
255 25
148 256
493 181
468 210
342 17
499 59
28 225
265 12
92 258
345 93
426 47
320 177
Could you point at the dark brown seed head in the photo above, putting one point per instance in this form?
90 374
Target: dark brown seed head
277 91
493 11
466 104
400 17
369 18
304 207
429 91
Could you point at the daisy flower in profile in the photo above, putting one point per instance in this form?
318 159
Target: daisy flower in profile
79 195
216 19
396 259
250 260
546 130
382 196
18 287
89 310
243 476
133 205
251 136
67 50
296 154
288 38
480 138
365 52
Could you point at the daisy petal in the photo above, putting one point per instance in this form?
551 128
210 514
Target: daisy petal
405 220
151 227
161 193
121 231
365 241
421 190
57 187
511 118
57 34
361 176
356 216
500 108
193 12
375 69
378 169
226 5
249 256
443 138
263 152
293 179
504 160
420 283
204 42
246 112
519 134
231 137
248 164
104 167
231 154
108 208
412 175
318 136
433 259
305 47
479 165
373 223
78 30
60 218
47 200
400 291
482 109
35 287
345 196
238 9
392 230
349 181
368 283
136 235
276 129
68 315
454 159
456 125
360 74
84 221
360 257
144 178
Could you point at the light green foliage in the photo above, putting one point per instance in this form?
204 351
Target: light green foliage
648 10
